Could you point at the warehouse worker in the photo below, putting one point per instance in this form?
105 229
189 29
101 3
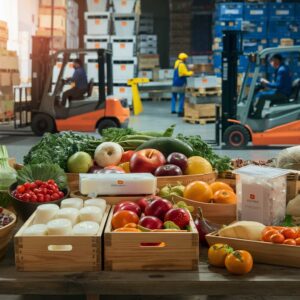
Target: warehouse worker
278 91
80 82
179 82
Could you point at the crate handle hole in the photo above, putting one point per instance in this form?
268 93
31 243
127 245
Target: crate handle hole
60 248
153 245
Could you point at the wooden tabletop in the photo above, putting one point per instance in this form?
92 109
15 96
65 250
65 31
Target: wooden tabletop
263 280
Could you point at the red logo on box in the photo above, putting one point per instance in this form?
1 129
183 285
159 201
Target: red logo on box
252 197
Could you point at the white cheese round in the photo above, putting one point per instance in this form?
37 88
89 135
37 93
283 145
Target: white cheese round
72 202
60 227
45 213
36 230
91 213
69 213
86 228
101 203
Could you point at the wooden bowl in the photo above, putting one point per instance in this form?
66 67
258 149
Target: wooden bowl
6 233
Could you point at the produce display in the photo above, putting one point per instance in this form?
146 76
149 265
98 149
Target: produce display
5 218
281 235
74 217
238 262
150 214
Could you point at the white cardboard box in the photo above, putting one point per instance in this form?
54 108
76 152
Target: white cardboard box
124 6
123 46
124 24
97 23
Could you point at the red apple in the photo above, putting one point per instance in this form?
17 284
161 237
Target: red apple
146 161
168 170
158 208
143 203
151 222
179 216
127 156
178 159
128 205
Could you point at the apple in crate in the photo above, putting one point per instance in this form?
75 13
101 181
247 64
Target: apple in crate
158 208
151 222
146 161
128 205
178 159
144 202
179 216
168 170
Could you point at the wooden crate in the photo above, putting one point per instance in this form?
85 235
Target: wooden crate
198 111
123 251
262 252
84 254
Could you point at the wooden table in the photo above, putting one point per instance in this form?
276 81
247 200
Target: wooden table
263 280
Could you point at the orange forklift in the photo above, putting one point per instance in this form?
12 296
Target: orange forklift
94 111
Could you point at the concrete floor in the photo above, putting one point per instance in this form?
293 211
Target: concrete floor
156 116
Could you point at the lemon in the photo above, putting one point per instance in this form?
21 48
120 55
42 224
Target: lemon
198 165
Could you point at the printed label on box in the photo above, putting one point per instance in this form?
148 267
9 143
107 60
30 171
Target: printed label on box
256 12
123 23
123 67
282 12
231 12
97 66
122 90
97 21
122 45
97 45
124 2
96 1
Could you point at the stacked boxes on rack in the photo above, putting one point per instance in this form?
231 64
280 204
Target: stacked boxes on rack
65 23
263 24
9 75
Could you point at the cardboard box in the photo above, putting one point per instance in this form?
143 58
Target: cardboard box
57 3
59 22
58 11
9 62
47 32
15 78
5 79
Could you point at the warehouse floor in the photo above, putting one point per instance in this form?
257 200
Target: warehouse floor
156 116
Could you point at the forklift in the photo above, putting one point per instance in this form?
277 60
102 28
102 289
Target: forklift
280 123
93 111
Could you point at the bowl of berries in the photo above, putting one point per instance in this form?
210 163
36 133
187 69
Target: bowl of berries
7 223
28 196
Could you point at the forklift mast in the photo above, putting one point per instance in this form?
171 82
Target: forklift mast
41 67
232 48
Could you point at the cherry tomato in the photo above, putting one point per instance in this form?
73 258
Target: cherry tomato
277 238
27 185
21 189
289 233
38 182
290 242
50 181
54 197
33 198
61 194
26 197
47 198
44 191
40 197
33 186
297 240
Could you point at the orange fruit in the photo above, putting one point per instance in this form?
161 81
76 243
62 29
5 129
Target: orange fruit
266 235
219 185
290 242
217 254
239 262
277 238
225 197
198 165
125 166
198 191
123 217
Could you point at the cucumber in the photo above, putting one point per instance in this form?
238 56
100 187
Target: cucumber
167 146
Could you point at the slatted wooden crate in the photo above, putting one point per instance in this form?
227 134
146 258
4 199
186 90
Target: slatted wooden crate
128 251
59 253
200 110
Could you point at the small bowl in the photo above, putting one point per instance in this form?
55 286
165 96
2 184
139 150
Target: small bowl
26 209
6 232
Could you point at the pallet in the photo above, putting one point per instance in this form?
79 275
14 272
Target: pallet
196 92
202 121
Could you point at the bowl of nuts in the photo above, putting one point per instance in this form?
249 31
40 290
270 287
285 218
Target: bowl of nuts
7 223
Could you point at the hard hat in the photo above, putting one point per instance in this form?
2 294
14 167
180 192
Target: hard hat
183 56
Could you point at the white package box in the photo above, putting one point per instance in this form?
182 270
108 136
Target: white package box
165 74
124 6
92 67
97 23
146 74
124 24
124 68
123 46
261 194
203 82
123 90
148 50
97 5
117 184
96 42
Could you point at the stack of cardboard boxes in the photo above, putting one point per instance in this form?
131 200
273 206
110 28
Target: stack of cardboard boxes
9 75
65 23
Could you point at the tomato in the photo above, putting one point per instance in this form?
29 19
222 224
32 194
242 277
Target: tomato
38 182
239 262
290 242
289 233
27 185
126 156
55 196
26 197
123 217
33 186
21 189
61 194
277 238
297 240
225 197
51 181
47 198
266 237
33 198
217 254
40 197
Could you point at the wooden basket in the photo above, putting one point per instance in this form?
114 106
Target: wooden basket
262 252
214 212
125 251
6 233
70 254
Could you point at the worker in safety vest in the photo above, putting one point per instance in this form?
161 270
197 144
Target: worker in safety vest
181 72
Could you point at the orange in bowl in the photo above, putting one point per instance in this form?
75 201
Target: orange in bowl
198 191
225 197
219 185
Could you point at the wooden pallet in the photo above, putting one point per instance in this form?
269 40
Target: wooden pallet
6 119
196 92
201 121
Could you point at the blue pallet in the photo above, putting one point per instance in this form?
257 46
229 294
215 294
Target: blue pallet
255 11
254 45
230 11
227 25
255 29
281 10
284 29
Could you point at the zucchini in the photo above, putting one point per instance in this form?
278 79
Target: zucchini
167 146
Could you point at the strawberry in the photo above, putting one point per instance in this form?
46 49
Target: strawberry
179 216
